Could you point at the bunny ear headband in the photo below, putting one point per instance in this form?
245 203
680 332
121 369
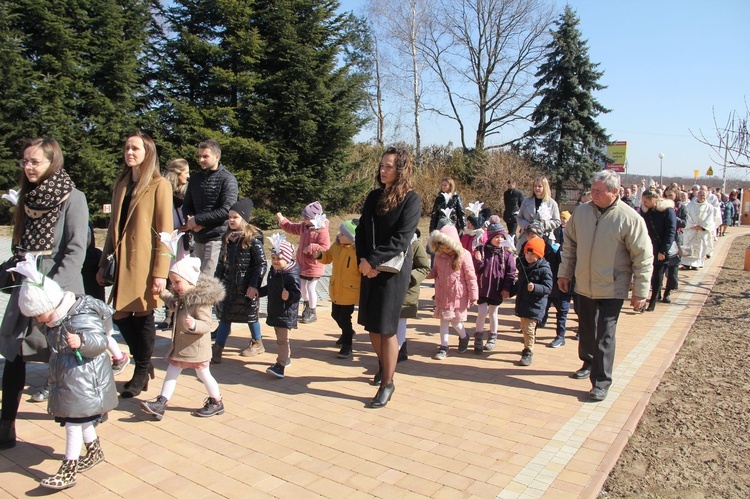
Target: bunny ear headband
276 240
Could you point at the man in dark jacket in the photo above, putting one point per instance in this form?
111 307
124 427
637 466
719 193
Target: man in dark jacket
512 198
210 194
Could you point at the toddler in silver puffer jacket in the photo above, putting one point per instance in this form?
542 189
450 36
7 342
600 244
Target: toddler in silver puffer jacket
82 387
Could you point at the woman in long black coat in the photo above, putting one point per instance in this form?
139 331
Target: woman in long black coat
661 222
389 218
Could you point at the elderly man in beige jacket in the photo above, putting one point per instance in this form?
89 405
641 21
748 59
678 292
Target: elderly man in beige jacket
606 242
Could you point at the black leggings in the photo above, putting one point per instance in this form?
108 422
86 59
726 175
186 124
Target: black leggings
14 380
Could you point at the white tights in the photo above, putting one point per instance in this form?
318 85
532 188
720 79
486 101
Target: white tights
308 291
444 332
112 346
170 382
482 314
75 436
401 332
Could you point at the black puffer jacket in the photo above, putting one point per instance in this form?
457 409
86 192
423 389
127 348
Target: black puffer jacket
282 313
210 194
533 304
238 269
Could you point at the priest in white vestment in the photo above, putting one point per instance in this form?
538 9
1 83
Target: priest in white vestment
698 235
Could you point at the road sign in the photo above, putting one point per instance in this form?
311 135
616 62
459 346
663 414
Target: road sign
710 171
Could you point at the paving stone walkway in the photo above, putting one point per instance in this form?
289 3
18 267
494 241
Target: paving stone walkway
468 426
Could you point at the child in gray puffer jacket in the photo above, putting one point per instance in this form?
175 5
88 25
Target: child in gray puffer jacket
82 387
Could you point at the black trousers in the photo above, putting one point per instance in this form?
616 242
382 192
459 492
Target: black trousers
512 224
657 278
597 320
14 380
342 314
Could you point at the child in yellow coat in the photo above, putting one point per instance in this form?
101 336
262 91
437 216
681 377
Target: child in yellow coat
344 286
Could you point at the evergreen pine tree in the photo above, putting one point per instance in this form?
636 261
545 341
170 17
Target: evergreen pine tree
566 138
273 82
79 74
306 103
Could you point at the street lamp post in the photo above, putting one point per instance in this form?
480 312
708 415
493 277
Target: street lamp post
661 164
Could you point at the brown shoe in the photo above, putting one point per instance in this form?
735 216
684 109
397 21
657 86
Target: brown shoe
254 348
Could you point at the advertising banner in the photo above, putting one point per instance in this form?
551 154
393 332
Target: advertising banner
618 151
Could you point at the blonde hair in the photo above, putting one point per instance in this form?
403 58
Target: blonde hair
546 191
175 168
451 184
249 232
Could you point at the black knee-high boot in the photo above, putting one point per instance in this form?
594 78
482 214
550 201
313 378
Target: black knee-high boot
127 330
145 336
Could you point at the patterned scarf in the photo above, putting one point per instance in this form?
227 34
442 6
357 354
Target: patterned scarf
42 208
235 236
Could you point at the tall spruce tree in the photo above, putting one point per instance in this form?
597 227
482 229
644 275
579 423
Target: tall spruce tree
273 82
566 138
74 74
306 101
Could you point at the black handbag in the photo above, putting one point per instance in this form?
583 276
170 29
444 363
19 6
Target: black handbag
109 271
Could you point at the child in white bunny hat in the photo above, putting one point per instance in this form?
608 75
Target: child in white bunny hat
82 388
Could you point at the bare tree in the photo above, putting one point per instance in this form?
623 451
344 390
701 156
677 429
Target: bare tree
731 145
485 54
375 96
401 24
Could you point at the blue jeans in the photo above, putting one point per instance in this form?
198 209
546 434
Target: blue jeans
222 332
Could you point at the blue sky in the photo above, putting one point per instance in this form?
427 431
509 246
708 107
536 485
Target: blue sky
667 64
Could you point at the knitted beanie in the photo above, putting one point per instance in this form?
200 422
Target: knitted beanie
284 250
348 229
535 245
189 268
495 227
536 228
244 207
37 299
311 210
565 215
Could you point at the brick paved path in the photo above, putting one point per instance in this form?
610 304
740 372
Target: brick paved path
467 426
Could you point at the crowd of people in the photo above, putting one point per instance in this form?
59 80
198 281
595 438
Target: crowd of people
618 243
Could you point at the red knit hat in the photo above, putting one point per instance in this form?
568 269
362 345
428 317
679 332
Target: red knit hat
535 245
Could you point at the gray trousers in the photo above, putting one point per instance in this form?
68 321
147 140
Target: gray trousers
209 255
597 325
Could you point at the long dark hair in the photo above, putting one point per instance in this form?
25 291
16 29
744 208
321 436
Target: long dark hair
54 155
397 192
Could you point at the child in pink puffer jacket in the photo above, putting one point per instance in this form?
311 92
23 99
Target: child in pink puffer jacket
456 288
311 240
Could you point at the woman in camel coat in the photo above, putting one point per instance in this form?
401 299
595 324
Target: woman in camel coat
141 209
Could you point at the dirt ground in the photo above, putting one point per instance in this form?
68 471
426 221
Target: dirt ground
694 438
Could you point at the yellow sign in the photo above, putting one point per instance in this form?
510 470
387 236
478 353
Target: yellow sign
696 173
710 171
618 151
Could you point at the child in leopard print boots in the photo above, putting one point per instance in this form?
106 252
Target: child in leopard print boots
82 388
